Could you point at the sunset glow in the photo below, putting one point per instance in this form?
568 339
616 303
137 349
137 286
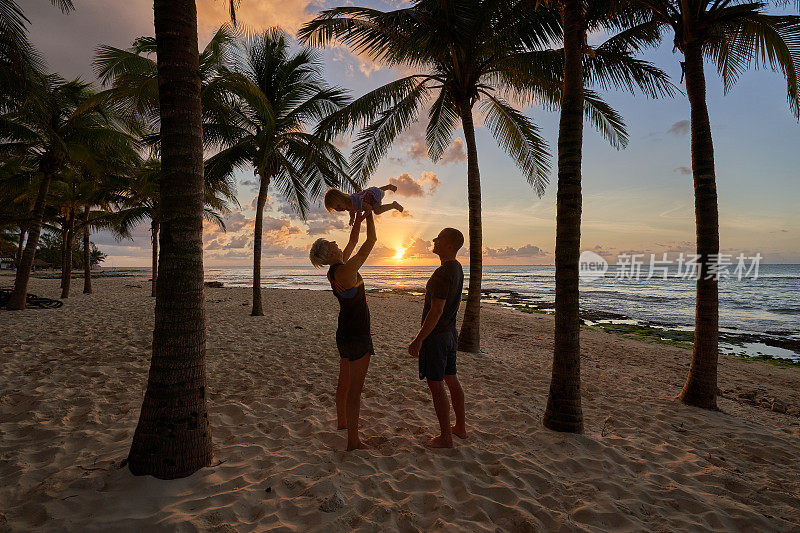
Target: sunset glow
400 252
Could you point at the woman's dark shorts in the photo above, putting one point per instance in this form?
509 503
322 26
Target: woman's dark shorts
354 348
437 356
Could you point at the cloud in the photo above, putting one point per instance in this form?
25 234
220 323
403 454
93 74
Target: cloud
415 188
680 128
528 250
414 137
401 214
686 171
455 153
288 14
242 241
417 247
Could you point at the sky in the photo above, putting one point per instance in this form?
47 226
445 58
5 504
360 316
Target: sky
635 200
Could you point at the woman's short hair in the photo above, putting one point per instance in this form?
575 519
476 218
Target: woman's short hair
319 252
333 197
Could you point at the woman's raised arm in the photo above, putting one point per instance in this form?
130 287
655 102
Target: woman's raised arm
351 244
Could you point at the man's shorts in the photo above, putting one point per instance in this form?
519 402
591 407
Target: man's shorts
437 356
354 348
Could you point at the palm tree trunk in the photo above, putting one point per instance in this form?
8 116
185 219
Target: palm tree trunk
64 232
154 269
87 255
563 412
262 199
173 436
21 243
67 280
700 388
17 300
469 339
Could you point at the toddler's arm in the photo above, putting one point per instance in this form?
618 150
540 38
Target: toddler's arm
389 187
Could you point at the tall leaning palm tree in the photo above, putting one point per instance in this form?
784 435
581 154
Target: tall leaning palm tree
173 436
278 96
734 35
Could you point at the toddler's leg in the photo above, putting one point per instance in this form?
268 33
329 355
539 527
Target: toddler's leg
386 207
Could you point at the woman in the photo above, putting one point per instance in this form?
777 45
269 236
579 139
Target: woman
353 336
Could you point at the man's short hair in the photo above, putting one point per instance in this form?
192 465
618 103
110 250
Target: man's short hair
454 237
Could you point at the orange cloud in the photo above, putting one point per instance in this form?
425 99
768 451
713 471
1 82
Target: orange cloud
408 186
256 15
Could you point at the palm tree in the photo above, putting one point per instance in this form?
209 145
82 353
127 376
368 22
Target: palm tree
53 127
173 436
734 35
131 76
19 60
578 66
278 95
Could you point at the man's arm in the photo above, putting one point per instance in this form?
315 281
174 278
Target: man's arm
434 313
351 244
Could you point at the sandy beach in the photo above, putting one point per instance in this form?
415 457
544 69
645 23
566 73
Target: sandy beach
73 381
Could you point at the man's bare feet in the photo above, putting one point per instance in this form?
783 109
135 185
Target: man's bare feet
440 442
357 446
341 427
459 432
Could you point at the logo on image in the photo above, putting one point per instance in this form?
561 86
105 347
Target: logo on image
591 266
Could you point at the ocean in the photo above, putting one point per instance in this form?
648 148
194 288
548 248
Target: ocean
757 316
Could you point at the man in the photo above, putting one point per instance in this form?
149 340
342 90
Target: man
435 344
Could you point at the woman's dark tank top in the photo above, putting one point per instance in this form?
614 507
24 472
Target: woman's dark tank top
353 310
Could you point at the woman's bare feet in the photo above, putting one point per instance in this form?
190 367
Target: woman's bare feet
357 446
460 432
440 442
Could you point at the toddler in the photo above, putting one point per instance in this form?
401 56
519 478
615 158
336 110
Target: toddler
336 200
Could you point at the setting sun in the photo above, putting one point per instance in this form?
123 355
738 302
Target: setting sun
400 252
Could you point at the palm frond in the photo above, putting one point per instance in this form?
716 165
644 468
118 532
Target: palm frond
520 138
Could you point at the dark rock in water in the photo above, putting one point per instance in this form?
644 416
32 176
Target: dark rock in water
333 503
214 284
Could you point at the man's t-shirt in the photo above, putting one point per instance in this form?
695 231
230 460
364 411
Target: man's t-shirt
446 283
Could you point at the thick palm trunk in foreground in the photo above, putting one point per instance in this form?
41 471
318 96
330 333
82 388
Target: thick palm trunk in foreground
563 412
68 246
154 267
469 340
17 300
701 385
87 255
259 226
173 436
